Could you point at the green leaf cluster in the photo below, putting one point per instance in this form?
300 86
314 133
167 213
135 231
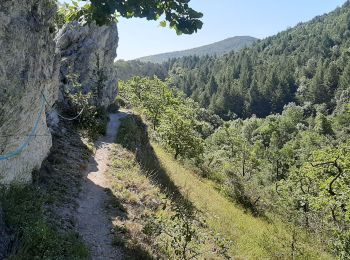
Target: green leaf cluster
177 13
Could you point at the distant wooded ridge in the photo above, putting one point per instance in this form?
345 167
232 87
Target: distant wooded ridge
215 49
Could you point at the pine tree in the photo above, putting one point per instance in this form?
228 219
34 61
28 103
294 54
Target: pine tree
345 78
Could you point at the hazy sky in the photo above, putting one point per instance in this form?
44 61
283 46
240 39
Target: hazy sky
222 19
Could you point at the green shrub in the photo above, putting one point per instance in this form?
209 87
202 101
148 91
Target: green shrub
92 118
130 133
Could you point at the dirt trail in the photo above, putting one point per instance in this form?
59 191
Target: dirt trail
92 217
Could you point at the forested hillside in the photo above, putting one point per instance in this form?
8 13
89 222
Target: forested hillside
307 64
291 169
127 69
215 49
270 125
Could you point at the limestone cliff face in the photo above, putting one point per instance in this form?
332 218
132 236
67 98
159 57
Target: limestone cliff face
28 67
88 52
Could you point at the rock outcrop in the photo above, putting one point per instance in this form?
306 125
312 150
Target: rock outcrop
28 68
88 53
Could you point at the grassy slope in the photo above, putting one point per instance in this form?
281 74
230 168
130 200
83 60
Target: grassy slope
254 238
142 190
132 196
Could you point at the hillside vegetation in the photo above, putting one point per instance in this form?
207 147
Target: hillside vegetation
253 238
151 187
291 169
215 49
128 69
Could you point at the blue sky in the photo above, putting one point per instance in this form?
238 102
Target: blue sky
222 19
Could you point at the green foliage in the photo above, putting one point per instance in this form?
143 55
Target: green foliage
60 18
170 113
182 233
184 238
319 191
259 163
35 237
129 69
322 125
177 132
292 245
237 160
178 15
91 118
153 94
292 165
156 99
130 133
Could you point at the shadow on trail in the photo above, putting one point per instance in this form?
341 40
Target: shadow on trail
133 136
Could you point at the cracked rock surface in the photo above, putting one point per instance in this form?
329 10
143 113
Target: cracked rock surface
28 67
88 52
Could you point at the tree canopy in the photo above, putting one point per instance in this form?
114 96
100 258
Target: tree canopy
175 13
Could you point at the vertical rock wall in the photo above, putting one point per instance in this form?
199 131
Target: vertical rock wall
88 52
28 67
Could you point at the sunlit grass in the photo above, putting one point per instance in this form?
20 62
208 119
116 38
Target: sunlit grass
153 174
254 238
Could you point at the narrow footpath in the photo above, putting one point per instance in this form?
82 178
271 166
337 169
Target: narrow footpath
93 221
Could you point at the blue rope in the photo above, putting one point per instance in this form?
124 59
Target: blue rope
63 117
30 137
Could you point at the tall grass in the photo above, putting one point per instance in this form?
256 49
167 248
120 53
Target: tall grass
34 236
254 238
